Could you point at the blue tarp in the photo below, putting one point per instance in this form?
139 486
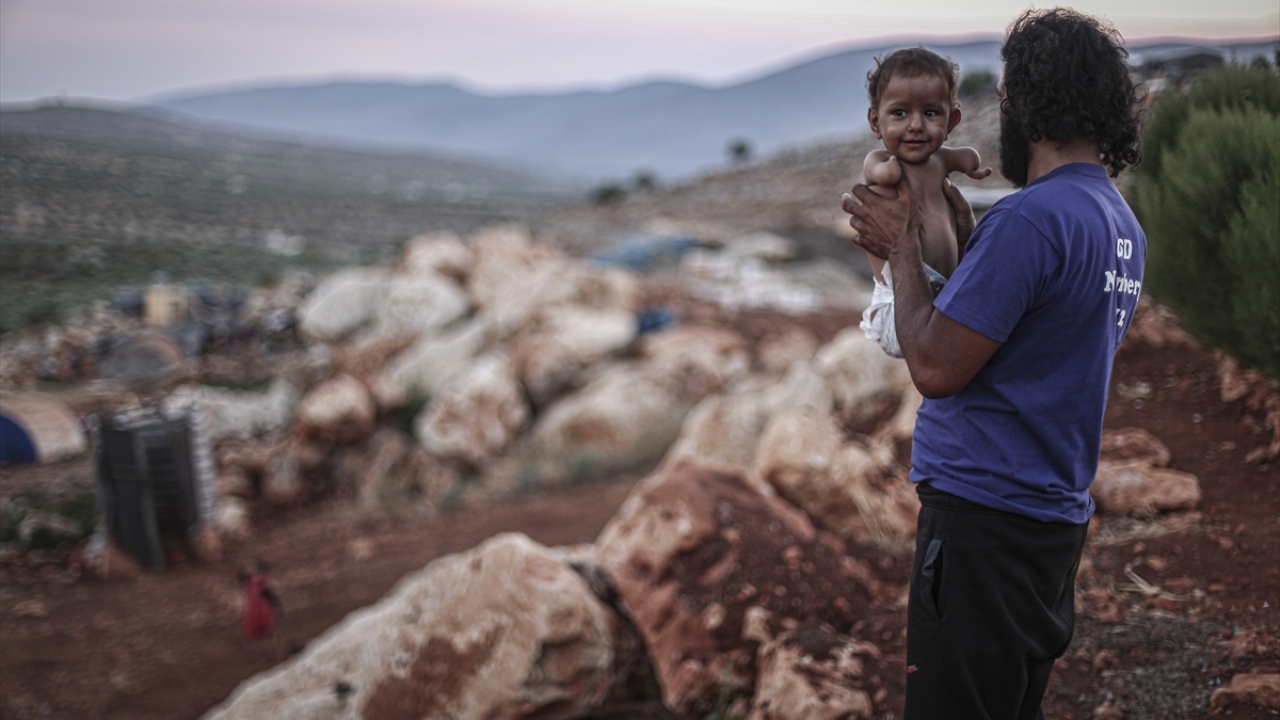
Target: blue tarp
16 446
643 253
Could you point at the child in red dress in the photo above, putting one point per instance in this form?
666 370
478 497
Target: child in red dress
260 604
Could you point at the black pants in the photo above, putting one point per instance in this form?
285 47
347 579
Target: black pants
991 607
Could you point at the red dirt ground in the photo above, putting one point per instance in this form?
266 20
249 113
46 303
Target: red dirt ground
167 647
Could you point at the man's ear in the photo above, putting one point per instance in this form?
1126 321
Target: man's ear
953 120
873 119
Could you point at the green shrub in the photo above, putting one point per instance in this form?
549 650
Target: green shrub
1225 87
979 83
1206 195
1252 254
609 194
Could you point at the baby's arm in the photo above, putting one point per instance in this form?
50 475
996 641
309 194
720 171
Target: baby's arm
963 160
881 168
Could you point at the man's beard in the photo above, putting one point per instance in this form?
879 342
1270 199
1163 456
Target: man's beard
1015 151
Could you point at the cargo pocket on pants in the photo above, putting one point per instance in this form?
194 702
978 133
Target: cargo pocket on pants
930 583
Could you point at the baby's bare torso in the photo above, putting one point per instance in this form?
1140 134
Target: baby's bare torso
938 219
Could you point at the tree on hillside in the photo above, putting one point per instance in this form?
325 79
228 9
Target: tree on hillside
739 151
979 83
1206 195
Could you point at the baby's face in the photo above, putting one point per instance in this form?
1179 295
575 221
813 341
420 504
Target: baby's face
914 117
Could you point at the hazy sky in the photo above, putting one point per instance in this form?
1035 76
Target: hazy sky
132 49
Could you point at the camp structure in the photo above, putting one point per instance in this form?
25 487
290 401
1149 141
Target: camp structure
37 427
155 482
150 356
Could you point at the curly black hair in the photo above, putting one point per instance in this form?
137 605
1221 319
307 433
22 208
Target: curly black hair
909 63
1066 76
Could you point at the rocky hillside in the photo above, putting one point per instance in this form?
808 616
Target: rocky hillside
95 198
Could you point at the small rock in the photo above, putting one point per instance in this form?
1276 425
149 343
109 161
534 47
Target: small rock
1104 660
1136 487
1107 711
1167 603
360 549
31 609
1257 689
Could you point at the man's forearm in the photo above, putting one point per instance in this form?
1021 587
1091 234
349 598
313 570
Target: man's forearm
912 300
942 355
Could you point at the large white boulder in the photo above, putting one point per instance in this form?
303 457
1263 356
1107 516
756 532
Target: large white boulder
476 416
701 358
233 414
430 365
625 418
779 351
419 304
603 288
762 245
440 253
726 428
338 410
507 630
860 374
550 356
342 303
514 278
854 490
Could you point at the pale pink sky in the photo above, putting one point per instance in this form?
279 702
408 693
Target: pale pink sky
132 49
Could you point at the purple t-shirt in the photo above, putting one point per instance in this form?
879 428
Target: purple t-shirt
1053 273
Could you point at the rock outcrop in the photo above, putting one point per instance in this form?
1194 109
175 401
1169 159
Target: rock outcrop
239 415
338 410
477 416
860 374
431 364
1133 479
711 569
551 356
342 303
851 489
419 304
507 630
811 672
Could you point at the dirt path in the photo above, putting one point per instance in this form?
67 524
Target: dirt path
167 647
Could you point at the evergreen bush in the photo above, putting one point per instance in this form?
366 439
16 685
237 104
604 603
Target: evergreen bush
1252 253
1206 194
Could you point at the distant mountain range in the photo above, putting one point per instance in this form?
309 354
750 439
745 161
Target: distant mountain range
671 129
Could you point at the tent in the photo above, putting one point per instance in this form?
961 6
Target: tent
38 428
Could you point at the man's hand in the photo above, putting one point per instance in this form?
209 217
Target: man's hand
965 221
942 355
882 222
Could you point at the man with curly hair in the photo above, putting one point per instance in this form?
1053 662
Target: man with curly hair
1014 359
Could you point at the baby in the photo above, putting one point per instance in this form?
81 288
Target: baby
914 107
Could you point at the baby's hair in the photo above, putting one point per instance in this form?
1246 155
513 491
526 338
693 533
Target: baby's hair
909 63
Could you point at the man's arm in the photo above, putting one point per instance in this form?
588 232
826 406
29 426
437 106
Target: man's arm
942 355
965 219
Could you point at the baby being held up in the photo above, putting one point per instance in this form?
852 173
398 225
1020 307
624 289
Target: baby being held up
914 107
